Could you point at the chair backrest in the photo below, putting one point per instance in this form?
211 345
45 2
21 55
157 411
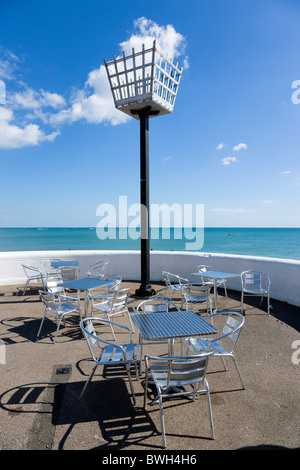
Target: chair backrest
204 268
31 270
51 283
98 269
187 370
232 327
170 278
155 306
166 278
48 263
253 280
120 298
199 291
88 330
68 273
48 299
115 283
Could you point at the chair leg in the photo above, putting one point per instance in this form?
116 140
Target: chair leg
130 383
239 372
58 326
210 412
41 324
163 430
129 317
111 327
88 381
145 389
25 287
141 359
136 371
224 363
165 292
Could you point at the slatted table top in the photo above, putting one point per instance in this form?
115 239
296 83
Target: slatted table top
172 325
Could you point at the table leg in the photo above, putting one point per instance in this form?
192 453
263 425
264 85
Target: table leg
171 346
86 303
215 295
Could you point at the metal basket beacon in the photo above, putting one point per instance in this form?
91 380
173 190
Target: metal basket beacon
144 84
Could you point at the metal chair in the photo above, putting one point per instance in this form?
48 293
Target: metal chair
32 274
255 283
109 289
115 304
224 345
50 270
107 352
174 283
153 306
210 282
170 373
52 285
97 269
198 294
56 308
69 273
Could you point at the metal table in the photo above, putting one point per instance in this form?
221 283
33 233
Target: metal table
85 284
171 325
215 276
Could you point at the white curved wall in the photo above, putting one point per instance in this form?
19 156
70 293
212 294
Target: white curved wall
284 274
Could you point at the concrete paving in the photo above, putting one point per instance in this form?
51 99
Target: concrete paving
41 383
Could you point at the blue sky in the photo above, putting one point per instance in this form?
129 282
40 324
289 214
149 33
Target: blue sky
232 142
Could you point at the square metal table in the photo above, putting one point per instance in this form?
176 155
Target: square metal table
171 325
215 275
85 284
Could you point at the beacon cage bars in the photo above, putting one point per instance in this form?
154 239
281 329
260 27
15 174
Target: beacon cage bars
146 77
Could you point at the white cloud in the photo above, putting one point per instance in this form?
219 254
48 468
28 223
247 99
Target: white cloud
220 146
239 147
168 41
93 104
31 99
8 64
165 159
286 172
13 136
229 160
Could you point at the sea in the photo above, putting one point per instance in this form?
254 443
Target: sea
267 242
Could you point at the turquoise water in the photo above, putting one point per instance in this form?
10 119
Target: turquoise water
271 242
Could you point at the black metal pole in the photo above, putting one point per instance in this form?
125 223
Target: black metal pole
145 289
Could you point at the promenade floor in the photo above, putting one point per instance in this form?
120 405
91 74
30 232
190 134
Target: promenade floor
41 382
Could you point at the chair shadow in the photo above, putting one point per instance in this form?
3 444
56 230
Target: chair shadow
20 328
27 328
107 402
